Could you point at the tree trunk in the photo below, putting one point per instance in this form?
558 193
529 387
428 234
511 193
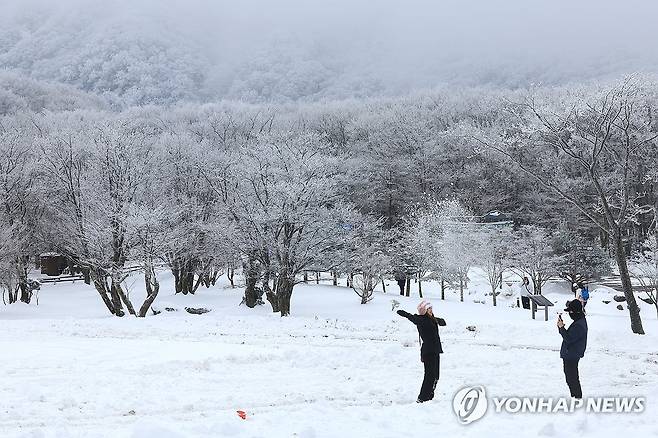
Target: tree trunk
210 277
408 286
335 278
152 289
633 308
273 300
86 276
251 276
383 284
101 289
367 294
230 272
13 295
461 289
400 280
266 283
178 285
184 281
187 279
271 295
22 267
26 292
317 277
190 285
443 289
116 286
493 294
420 287
99 278
264 290
284 293
116 300
536 283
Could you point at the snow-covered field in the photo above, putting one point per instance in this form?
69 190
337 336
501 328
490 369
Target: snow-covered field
335 368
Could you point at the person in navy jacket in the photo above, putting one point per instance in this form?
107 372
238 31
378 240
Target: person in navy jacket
574 343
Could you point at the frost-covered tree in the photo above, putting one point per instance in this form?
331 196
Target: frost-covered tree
583 147
194 257
367 254
644 268
494 256
531 255
284 205
389 165
9 270
444 240
152 229
460 243
205 138
21 205
97 169
421 239
583 260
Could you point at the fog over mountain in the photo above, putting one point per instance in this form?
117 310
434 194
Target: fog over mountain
161 52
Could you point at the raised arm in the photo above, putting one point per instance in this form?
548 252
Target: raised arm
409 316
441 321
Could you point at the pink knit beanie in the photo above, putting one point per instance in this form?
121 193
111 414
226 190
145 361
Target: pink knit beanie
423 307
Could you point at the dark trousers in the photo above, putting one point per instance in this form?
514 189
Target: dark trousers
431 364
525 302
573 380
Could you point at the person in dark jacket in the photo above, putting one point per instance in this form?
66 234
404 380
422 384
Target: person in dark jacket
574 343
524 293
582 295
428 330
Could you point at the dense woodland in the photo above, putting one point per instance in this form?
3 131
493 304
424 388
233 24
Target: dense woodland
375 188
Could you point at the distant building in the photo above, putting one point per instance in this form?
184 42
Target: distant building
52 263
495 217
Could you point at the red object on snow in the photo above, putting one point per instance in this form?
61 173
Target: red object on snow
242 414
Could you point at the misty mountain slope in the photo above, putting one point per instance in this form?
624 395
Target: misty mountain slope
119 59
163 52
291 70
19 93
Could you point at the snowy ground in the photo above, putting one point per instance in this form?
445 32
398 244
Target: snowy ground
334 368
